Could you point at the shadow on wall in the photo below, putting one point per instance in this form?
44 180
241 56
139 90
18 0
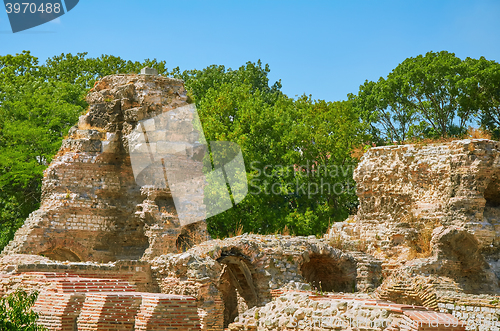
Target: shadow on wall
492 192
61 254
327 274
191 235
236 286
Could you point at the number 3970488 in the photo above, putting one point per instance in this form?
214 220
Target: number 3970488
26 7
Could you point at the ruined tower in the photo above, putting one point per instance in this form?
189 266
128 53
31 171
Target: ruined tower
95 205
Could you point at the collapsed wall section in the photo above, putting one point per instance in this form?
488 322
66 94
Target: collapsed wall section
230 276
403 187
93 207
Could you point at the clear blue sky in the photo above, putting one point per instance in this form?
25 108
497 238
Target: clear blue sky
323 48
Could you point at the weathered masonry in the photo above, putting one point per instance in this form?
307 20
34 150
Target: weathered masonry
93 208
109 248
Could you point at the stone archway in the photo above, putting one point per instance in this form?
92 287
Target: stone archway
190 235
327 274
236 286
492 192
61 254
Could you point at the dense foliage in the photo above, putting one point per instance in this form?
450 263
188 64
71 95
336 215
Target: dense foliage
297 151
435 95
16 313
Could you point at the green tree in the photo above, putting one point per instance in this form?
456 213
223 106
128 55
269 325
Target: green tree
284 143
38 105
435 95
16 313
488 82
35 113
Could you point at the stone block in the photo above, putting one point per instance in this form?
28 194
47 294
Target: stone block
134 114
180 127
149 71
110 147
157 135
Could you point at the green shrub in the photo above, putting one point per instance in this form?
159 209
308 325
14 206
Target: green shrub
16 313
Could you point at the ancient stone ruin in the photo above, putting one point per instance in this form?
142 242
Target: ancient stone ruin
117 248
93 208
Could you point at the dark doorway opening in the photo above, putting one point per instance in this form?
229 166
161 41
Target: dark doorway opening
236 286
327 274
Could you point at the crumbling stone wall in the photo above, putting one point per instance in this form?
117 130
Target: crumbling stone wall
451 183
31 272
431 213
406 191
75 296
306 311
232 275
93 208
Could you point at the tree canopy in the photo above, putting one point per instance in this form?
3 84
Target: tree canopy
298 152
435 95
277 134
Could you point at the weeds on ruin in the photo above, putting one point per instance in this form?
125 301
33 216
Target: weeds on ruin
337 241
237 232
189 238
62 151
472 133
477 133
284 232
358 151
87 126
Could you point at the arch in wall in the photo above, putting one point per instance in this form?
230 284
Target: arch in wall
191 234
236 284
328 274
61 254
492 192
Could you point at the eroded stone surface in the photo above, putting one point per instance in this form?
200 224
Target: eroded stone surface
308 311
407 191
426 234
93 207
454 183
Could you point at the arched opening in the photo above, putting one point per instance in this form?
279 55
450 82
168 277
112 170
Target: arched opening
236 287
61 254
327 274
188 237
492 192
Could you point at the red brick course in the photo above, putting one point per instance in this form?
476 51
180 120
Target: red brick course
69 302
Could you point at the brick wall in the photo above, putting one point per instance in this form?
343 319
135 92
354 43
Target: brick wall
137 273
70 302
93 207
167 312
